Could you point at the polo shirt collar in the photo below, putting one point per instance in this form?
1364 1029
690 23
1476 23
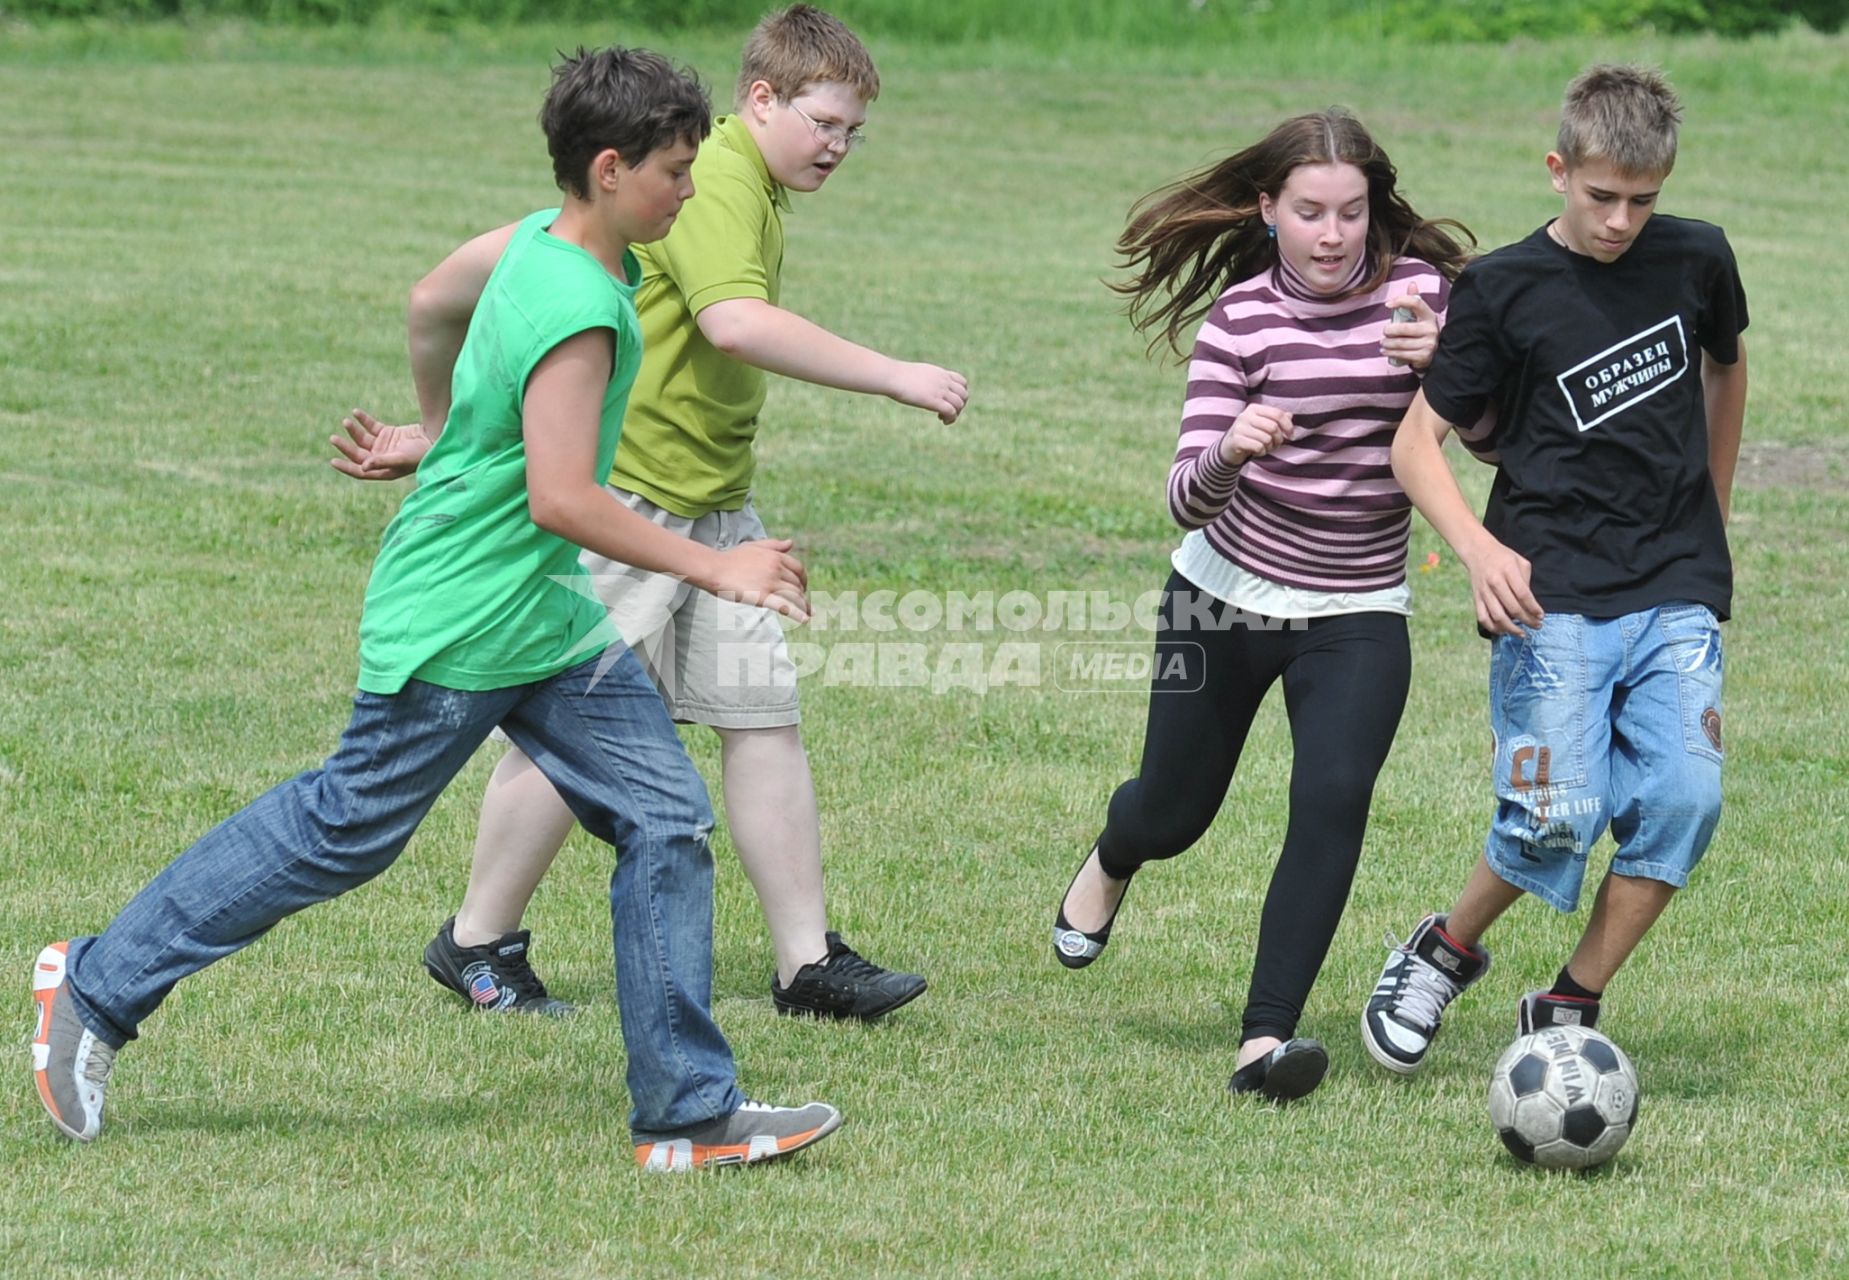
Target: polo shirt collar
732 133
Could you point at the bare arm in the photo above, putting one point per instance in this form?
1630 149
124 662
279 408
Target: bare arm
1723 388
442 304
438 320
561 412
759 333
1498 576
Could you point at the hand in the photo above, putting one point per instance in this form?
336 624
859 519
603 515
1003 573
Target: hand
763 572
376 451
1412 342
1499 585
1257 430
925 386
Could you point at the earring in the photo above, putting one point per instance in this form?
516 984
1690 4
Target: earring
1271 230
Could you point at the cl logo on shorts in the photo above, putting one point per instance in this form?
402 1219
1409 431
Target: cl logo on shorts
1711 725
1542 759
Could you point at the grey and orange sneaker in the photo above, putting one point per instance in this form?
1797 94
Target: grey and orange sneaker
496 976
70 1064
755 1132
1422 975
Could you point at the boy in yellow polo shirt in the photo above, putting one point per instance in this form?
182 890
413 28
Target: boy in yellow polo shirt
712 325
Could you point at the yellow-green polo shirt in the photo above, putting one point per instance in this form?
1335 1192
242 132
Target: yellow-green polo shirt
694 412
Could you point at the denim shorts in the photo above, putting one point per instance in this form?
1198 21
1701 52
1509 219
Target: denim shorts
1605 722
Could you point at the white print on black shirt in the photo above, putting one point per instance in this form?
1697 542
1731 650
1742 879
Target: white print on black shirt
1625 373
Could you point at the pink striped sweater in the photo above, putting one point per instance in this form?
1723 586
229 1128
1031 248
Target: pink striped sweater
1322 512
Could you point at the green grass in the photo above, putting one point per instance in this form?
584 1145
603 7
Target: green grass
208 236
1047 23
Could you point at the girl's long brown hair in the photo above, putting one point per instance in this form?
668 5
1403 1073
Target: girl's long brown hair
1189 240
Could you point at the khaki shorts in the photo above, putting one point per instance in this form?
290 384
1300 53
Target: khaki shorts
716 662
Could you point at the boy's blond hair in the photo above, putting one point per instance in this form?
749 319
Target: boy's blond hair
1624 115
800 46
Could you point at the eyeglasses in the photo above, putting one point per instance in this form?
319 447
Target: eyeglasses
827 132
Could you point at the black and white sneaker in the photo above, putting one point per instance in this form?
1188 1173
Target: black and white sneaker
495 977
844 984
1421 976
1546 1009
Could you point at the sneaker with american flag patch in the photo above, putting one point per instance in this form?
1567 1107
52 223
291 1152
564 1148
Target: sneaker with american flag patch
496 976
755 1132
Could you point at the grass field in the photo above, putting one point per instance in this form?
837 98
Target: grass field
205 243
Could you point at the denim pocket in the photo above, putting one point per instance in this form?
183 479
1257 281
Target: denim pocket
1538 686
1693 636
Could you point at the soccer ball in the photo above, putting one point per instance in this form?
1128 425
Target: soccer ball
1563 1098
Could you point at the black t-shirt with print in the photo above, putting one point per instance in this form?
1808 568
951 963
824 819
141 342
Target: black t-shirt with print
1600 434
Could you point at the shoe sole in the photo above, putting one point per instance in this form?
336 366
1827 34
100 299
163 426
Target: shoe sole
1295 1075
791 1010
1384 1058
683 1155
47 980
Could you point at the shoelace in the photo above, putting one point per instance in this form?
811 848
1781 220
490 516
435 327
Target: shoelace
101 1062
518 974
1424 990
849 963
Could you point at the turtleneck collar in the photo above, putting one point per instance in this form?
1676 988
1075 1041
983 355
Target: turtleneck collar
1285 279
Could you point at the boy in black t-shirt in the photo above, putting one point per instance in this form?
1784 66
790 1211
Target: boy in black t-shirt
1607 343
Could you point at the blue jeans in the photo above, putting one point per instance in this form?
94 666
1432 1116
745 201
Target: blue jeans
1603 721
608 747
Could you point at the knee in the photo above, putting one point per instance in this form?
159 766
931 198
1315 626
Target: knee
1338 794
1690 796
1704 804
1149 832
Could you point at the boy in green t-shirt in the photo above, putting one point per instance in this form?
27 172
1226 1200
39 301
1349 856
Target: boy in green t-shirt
712 326
475 616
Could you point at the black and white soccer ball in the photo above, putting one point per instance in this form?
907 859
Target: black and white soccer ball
1563 1098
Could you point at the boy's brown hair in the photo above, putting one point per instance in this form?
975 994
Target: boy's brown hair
796 47
1624 115
629 100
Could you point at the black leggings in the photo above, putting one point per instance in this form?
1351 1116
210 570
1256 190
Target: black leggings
1345 681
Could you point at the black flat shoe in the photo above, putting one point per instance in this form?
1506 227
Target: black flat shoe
1288 1072
1075 948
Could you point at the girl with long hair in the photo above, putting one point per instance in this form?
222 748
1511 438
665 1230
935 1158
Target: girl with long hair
1319 293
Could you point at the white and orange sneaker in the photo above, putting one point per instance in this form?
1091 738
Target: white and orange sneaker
756 1131
70 1064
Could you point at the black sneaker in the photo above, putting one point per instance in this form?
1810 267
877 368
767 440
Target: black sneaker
1546 1009
1422 975
495 976
843 984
